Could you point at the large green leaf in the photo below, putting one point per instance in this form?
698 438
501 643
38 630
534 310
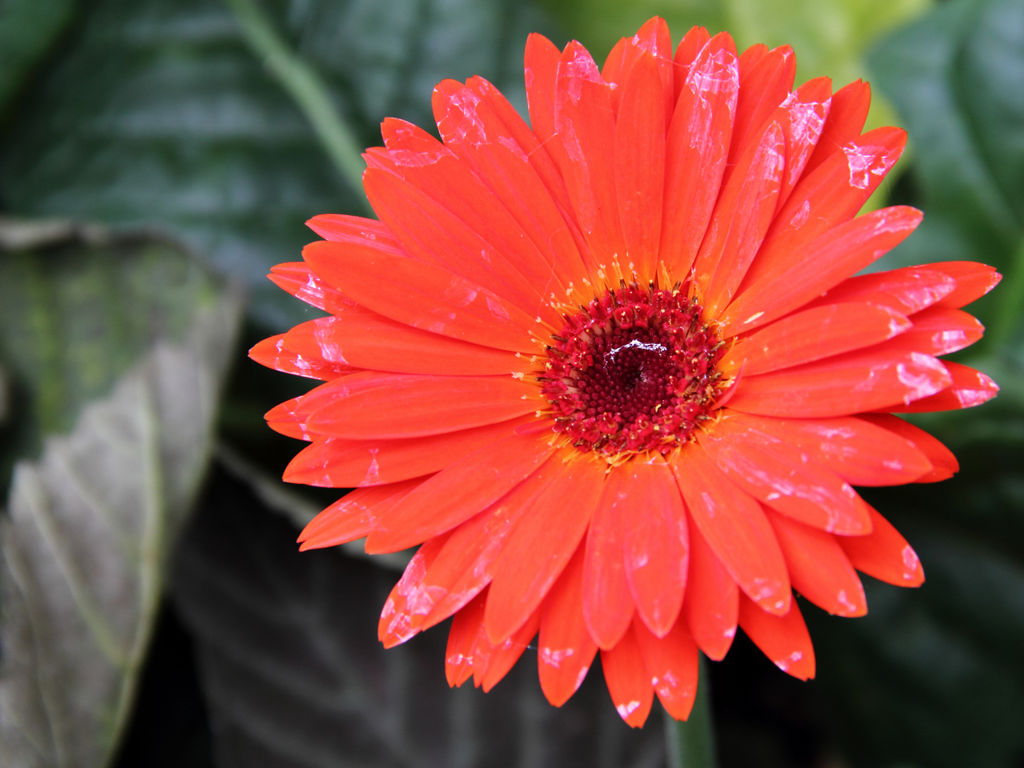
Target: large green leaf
157 114
294 676
89 525
955 77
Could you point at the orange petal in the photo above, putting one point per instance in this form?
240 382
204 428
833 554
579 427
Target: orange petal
780 281
864 380
565 649
906 290
460 490
766 78
473 120
812 334
425 207
712 603
541 69
460 569
672 663
533 556
969 388
763 463
884 553
639 156
940 331
818 567
698 145
944 463
585 130
743 213
656 545
846 116
337 463
804 112
397 405
300 281
411 599
352 516
290 353
607 601
860 450
735 527
783 639
973 281
422 295
460 661
628 680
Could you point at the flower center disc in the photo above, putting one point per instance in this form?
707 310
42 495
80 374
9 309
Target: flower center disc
632 372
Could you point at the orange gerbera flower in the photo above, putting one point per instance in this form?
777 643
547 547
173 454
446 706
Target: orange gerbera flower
611 372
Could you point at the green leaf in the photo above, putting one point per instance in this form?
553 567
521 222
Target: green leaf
28 29
157 114
79 306
91 522
955 77
294 675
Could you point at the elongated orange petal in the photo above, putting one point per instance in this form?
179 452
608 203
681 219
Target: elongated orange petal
639 157
353 516
973 281
532 558
884 553
672 663
338 463
779 281
359 338
863 380
629 682
766 77
811 334
907 290
735 527
860 450
712 600
656 546
385 405
607 601
761 462
565 649
460 490
783 639
300 281
585 129
968 388
818 567
422 295
940 331
944 463
291 353
846 116
697 148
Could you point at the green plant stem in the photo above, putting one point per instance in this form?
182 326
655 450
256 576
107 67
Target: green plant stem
691 743
305 87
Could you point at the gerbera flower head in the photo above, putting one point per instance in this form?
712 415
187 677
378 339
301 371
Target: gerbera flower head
612 371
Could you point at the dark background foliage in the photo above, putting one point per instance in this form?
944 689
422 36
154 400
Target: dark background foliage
158 156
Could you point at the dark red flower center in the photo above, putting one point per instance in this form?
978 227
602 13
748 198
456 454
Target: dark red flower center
632 372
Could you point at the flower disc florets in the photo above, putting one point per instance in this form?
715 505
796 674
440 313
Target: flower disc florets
632 372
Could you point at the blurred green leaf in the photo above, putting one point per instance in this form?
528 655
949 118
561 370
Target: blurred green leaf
91 523
956 77
78 307
28 29
156 114
294 675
